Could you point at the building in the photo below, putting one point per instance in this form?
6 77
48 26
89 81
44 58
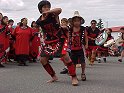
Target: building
116 31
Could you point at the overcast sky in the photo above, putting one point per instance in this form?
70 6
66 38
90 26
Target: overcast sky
111 11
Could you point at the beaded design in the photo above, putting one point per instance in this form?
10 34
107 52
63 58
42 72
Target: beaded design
51 49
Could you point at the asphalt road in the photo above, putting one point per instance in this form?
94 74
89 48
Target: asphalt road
101 78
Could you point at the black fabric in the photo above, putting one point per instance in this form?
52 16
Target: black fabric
58 53
13 37
2 57
122 36
64 31
50 27
52 33
92 34
83 35
78 57
8 33
22 58
1 48
2 29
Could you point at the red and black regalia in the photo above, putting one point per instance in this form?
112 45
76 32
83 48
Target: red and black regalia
92 47
11 54
22 42
92 34
55 42
35 43
4 42
77 40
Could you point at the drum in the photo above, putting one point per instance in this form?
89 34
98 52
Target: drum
101 39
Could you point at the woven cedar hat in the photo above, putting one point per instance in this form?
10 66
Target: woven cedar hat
76 14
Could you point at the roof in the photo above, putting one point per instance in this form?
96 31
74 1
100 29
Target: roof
116 29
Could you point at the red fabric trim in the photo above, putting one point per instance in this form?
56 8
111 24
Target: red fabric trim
52 41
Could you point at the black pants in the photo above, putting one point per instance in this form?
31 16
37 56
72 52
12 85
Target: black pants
77 56
22 58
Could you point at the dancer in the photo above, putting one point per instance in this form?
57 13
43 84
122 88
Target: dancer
22 35
35 43
93 32
78 39
64 24
54 41
103 51
11 54
3 35
122 41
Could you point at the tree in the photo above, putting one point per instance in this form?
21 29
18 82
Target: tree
100 24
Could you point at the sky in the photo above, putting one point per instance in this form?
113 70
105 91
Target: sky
111 11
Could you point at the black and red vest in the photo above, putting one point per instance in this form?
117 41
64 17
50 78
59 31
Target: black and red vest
92 34
76 39
50 27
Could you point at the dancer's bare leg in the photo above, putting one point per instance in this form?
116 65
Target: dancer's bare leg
122 54
121 57
54 79
89 57
93 56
